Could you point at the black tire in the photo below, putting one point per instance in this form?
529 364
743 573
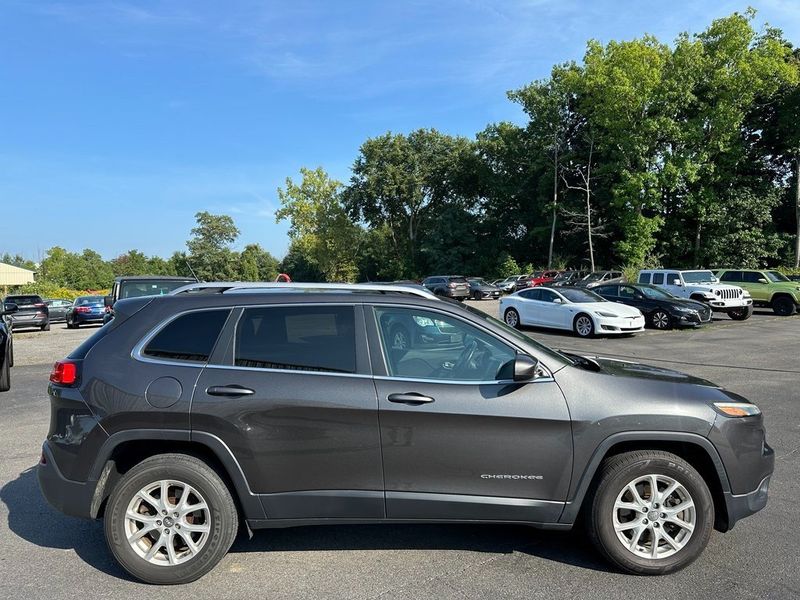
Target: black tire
614 476
578 325
11 354
68 321
741 314
46 326
660 319
5 373
197 474
477 296
511 317
784 306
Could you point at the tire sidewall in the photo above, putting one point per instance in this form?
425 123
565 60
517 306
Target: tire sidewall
213 551
505 317
602 511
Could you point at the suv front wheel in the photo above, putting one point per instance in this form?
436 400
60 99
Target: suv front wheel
170 519
651 513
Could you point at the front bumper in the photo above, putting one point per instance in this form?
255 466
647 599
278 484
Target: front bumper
617 325
73 498
743 505
717 303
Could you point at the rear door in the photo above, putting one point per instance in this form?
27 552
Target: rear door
291 394
459 439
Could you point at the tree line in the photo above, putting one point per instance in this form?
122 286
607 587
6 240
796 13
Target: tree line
642 154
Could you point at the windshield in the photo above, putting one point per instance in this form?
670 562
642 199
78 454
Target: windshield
518 334
564 275
477 280
136 289
580 295
89 300
596 276
698 277
655 293
775 276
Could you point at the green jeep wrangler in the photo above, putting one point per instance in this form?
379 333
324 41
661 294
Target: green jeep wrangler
768 288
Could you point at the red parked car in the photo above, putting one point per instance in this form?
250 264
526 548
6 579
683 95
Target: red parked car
537 278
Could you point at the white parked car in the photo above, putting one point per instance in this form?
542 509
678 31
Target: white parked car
576 309
702 285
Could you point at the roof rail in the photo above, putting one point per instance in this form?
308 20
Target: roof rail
222 287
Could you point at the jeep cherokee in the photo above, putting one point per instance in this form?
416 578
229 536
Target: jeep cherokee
278 405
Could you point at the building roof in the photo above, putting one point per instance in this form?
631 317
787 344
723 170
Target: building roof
11 275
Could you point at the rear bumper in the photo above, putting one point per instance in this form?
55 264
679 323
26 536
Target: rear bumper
21 323
73 498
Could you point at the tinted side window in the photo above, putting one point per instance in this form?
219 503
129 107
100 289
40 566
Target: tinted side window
607 290
644 277
731 276
751 277
671 277
547 296
626 291
658 279
297 338
534 294
189 337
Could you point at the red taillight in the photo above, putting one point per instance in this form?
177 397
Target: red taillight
452 285
40 304
64 373
83 309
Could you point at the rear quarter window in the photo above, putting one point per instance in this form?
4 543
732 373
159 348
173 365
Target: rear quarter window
190 337
658 279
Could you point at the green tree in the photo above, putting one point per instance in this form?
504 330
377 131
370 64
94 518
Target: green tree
256 264
320 227
399 181
210 253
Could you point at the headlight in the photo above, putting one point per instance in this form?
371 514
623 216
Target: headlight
717 292
683 309
737 409
605 314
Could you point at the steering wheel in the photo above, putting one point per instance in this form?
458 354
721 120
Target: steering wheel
466 356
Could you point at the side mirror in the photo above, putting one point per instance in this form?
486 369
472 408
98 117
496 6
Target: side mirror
9 308
558 301
762 280
108 301
677 282
525 367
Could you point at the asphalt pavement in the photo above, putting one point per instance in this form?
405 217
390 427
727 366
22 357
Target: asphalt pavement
44 554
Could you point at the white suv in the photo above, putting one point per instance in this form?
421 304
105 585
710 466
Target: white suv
703 286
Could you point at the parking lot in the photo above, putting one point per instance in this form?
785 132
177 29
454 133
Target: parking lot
47 555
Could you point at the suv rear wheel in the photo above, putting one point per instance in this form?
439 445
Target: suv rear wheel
170 519
651 513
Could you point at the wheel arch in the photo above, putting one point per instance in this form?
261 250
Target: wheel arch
695 449
123 450
777 295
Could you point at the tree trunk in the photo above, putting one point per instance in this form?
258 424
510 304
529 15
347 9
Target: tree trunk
797 213
555 204
589 204
697 235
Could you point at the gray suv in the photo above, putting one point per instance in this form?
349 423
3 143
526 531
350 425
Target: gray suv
277 405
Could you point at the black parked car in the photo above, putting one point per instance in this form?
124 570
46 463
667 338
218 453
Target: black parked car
86 310
449 286
568 278
193 412
136 286
480 289
58 308
6 345
32 312
661 309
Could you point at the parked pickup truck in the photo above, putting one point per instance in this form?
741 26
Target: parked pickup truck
768 288
702 285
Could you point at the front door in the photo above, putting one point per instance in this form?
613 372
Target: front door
460 439
293 399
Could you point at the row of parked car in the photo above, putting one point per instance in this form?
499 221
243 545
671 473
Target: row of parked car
602 302
660 298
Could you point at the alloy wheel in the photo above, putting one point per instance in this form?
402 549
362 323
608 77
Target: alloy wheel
512 318
167 522
583 325
654 516
660 320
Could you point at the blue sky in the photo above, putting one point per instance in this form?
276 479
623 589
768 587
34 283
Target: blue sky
119 120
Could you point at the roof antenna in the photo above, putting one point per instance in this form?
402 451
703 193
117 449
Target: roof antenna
186 260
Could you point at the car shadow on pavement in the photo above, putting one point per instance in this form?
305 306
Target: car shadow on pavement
33 520
572 547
